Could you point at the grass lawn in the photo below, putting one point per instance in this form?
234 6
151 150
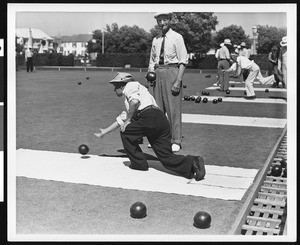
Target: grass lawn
55 113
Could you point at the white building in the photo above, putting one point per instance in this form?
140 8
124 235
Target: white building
75 44
35 38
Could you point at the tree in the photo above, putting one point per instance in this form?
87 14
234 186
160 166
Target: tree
268 36
235 33
120 40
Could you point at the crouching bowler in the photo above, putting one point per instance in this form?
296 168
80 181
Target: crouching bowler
143 118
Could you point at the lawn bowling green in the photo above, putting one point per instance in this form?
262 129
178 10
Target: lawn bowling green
54 116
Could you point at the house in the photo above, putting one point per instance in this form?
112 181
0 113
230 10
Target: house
75 44
35 38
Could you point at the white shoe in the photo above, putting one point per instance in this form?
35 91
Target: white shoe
176 147
149 146
216 85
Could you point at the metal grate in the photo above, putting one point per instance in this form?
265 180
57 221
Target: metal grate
267 215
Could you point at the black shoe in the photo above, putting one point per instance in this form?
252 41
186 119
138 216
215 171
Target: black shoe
198 168
250 97
138 168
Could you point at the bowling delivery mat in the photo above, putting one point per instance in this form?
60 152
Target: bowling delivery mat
221 182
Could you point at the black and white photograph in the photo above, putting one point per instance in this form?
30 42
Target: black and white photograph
151 122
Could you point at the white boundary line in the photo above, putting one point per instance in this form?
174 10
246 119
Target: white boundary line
241 99
255 89
234 120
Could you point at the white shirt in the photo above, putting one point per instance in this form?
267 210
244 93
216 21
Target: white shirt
243 62
28 53
174 51
135 90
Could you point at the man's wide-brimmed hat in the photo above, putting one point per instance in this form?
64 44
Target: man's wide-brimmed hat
122 77
283 41
243 44
162 13
227 42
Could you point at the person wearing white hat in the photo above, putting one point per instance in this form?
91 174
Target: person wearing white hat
218 70
223 64
29 59
168 59
282 61
241 62
143 118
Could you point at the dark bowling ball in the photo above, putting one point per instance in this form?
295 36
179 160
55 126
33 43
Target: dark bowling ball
227 91
232 85
202 220
206 93
192 98
185 97
198 99
151 76
284 175
215 101
205 100
188 98
79 83
276 170
267 90
207 76
283 163
184 86
83 149
87 78
138 210
245 93
220 99
203 92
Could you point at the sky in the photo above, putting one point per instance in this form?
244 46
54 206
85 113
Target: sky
56 20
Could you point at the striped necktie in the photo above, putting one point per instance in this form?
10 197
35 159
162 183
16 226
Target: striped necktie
162 50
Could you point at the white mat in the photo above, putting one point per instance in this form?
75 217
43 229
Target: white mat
220 182
255 89
234 120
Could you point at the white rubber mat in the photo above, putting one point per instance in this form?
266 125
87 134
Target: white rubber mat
225 183
234 120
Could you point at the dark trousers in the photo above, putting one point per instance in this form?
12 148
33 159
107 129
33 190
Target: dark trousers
29 64
154 125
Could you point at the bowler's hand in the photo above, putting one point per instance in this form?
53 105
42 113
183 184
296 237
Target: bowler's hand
101 134
123 127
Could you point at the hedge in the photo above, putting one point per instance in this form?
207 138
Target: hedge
49 59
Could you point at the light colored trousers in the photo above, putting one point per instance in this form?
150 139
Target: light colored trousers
168 103
256 74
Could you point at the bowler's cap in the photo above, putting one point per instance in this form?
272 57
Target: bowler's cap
162 13
122 77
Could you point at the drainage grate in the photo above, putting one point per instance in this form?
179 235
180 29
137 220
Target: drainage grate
267 215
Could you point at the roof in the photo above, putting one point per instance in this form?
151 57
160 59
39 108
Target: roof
36 33
76 38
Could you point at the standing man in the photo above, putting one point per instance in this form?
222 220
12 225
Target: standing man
223 64
244 51
143 118
168 59
29 59
218 70
282 64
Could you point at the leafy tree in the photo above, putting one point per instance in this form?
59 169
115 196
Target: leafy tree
120 40
235 33
268 36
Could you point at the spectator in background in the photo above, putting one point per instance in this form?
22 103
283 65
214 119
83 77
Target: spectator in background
168 59
218 70
29 59
224 63
282 64
273 66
